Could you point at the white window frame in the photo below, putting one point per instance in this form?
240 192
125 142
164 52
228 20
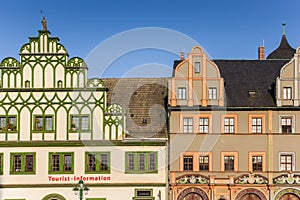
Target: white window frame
197 67
288 154
212 93
181 93
287 116
189 125
287 93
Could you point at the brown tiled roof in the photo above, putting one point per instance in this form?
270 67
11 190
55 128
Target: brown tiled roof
144 101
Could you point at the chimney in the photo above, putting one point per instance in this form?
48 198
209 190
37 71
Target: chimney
181 55
261 53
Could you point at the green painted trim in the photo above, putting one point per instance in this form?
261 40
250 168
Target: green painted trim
64 143
142 189
146 161
14 199
90 185
23 163
61 163
98 170
1 163
70 89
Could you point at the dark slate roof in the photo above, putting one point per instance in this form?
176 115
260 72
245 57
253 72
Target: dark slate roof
283 51
244 76
144 101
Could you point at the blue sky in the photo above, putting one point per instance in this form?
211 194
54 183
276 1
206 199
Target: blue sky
226 29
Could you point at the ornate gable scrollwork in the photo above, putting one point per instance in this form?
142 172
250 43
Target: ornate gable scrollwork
192 179
95 83
10 62
287 179
251 179
76 62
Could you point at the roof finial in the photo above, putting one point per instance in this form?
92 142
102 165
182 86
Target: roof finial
44 24
283 28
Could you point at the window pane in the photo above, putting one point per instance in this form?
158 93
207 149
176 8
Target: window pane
203 125
103 162
203 163
17 163
188 163
131 162
55 163
188 125
197 67
2 123
38 123
152 162
141 162
12 123
91 162
257 163
48 123
229 163
229 125
84 123
67 162
75 122
29 163
182 93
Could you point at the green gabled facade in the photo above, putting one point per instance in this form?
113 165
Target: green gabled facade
48 89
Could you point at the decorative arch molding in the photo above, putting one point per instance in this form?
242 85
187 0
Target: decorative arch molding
251 191
54 196
287 191
192 190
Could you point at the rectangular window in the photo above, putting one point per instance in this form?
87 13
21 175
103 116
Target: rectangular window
62 162
22 163
43 123
143 194
203 125
203 163
212 93
197 67
188 125
286 162
228 163
80 122
287 93
257 163
182 93
188 163
256 125
286 125
8 123
141 162
229 124
91 162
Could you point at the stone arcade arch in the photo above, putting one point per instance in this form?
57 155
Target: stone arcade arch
288 194
192 193
250 194
54 197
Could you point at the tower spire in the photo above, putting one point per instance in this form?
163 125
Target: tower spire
283 28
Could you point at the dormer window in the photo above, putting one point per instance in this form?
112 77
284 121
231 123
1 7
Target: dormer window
212 93
182 93
287 93
197 67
